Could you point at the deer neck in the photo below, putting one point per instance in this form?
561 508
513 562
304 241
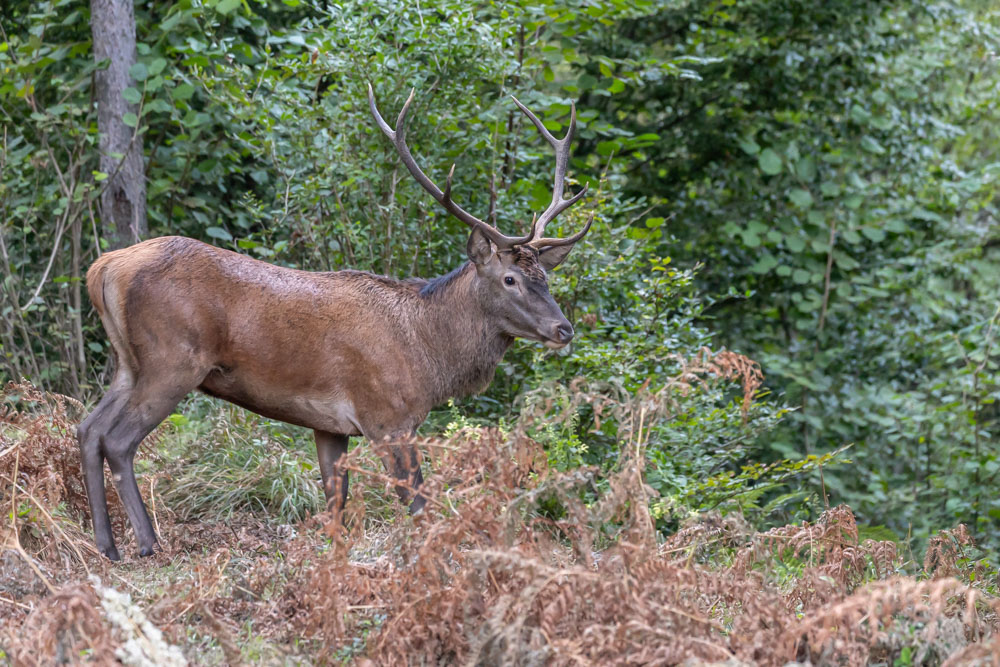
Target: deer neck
463 345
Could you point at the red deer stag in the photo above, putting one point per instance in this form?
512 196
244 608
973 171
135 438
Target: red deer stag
343 353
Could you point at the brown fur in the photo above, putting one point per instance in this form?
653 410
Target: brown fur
344 353
263 334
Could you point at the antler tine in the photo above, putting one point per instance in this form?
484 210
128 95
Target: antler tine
398 137
569 240
558 204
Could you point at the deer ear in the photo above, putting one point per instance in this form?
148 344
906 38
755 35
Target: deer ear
553 256
479 248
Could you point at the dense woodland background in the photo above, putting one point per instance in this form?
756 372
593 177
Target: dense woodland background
810 184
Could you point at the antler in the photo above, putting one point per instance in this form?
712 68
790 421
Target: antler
534 237
398 138
558 204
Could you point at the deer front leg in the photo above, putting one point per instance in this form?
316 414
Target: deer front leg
330 447
401 459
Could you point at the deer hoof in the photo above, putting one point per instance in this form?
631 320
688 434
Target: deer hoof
112 553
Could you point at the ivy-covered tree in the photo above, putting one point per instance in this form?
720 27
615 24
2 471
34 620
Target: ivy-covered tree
123 195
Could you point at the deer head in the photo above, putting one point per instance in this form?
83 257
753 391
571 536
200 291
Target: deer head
512 284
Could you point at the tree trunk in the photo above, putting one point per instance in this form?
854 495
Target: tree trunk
123 201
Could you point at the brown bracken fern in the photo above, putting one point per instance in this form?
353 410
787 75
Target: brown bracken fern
489 573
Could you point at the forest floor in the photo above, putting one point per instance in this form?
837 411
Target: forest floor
505 566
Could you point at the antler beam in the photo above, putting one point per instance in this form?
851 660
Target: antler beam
398 138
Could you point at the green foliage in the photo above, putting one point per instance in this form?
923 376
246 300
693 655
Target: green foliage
750 489
230 461
835 170
48 183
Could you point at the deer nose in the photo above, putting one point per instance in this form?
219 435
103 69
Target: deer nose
563 333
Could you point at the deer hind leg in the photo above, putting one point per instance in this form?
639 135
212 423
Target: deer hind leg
147 405
90 434
330 447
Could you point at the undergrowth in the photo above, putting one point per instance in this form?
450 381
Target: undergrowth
249 466
513 561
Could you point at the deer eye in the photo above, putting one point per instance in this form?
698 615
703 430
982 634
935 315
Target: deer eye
508 280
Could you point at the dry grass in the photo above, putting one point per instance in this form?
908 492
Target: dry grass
487 574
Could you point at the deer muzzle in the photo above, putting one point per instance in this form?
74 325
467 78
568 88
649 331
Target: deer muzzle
560 335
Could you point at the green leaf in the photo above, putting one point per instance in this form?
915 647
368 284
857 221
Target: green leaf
130 119
764 264
171 21
881 122
852 236
809 305
226 6
854 202
895 225
138 72
616 86
132 95
194 119
183 92
178 420
749 146
871 145
800 197
157 66
923 214
801 276
845 261
769 162
99 176
806 169
873 233
795 243
606 148
586 82
219 233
